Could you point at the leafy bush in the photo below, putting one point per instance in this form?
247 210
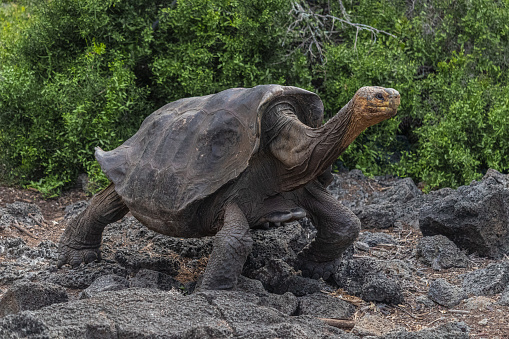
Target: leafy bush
86 73
465 130
215 45
450 65
80 74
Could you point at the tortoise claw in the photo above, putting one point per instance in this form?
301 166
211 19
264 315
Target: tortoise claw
75 257
316 270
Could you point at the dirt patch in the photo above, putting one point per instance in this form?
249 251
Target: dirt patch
53 211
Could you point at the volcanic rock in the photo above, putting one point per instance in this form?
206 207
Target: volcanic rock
504 298
474 217
25 295
105 283
456 330
374 239
83 276
440 253
446 294
279 277
286 303
154 279
373 325
131 314
365 278
21 212
397 202
488 281
325 306
477 303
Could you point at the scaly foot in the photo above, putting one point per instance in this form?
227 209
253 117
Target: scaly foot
316 269
75 256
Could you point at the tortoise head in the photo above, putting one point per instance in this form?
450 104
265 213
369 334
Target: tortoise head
373 104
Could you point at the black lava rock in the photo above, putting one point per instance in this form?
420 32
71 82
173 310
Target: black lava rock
439 252
374 239
504 298
279 277
325 306
131 314
446 294
105 283
451 330
488 281
153 279
83 276
474 217
365 278
24 295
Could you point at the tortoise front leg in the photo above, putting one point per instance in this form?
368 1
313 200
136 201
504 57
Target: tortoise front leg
232 245
337 228
82 237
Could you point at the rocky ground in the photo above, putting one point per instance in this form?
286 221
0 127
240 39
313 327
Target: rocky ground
453 282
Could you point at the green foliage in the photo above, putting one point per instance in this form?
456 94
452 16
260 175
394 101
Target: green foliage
85 73
467 130
450 65
75 111
79 74
13 20
215 45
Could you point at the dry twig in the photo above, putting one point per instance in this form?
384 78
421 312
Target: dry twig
459 311
314 30
434 321
405 311
407 236
339 323
37 222
22 230
387 245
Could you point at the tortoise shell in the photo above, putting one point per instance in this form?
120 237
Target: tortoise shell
189 148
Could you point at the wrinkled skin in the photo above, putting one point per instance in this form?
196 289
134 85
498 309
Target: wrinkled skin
285 180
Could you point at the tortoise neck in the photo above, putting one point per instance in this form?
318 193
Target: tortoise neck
333 138
304 153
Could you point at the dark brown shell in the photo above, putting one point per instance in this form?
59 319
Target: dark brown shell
188 149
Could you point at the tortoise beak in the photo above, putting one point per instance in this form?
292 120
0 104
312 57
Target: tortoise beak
394 100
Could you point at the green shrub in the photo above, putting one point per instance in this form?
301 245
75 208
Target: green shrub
450 65
465 130
86 73
79 74
216 45
55 133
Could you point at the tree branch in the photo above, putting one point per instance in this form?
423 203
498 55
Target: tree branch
313 30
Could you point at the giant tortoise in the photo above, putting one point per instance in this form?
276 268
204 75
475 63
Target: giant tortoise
224 163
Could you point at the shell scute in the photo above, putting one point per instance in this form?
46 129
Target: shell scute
188 149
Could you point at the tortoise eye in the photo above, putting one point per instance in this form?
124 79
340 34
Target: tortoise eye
379 96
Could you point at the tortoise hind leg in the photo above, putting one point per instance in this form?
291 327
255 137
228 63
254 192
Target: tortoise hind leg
82 237
232 245
337 228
